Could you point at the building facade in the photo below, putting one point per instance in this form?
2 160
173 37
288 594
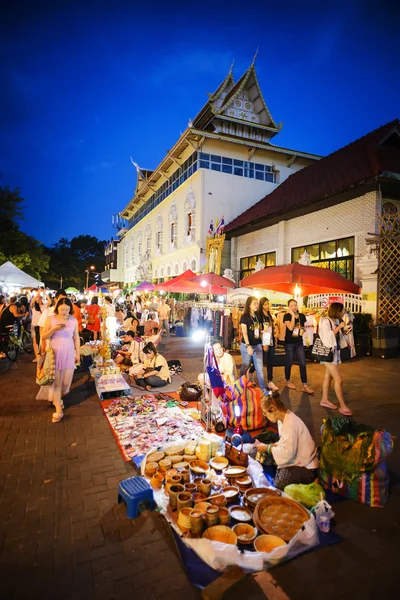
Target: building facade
111 273
331 210
219 167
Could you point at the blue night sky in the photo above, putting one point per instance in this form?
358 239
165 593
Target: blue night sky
87 85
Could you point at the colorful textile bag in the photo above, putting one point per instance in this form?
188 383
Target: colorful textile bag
46 368
371 488
216 380
242 405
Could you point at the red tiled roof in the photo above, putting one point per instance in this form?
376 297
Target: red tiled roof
358 162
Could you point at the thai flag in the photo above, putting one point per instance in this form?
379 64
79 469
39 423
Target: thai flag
211 229
220 226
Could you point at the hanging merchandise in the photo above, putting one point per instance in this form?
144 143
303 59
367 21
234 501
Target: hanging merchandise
214 375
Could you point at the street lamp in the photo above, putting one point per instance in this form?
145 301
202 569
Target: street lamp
91 268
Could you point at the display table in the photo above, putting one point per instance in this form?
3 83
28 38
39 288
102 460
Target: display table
112 386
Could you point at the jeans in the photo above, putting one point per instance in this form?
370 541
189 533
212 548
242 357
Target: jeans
152 381
165 325
268 358
257 358
291 351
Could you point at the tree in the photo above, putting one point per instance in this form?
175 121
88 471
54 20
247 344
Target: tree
21 249
69 260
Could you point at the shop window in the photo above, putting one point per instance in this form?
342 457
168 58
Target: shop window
337 255
248 264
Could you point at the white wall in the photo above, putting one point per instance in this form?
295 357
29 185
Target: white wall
357 218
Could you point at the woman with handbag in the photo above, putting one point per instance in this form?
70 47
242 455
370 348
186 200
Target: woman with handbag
330 331
268 339
251 347
93 319
295 452
61 330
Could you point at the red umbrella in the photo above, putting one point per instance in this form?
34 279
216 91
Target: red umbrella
164 286
310 280
191 287
213 279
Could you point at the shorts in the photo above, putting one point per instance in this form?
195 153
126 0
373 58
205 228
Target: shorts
35 332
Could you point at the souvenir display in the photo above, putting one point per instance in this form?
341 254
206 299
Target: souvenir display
280 516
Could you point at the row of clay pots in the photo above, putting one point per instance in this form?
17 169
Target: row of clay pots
195 521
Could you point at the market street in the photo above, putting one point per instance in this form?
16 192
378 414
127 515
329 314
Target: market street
63 535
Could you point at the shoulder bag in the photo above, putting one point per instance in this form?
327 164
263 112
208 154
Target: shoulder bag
46 368
319 352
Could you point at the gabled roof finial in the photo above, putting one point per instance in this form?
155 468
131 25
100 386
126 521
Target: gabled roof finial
232 65
254 58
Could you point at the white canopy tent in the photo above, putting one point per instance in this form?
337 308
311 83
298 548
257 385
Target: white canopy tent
11 276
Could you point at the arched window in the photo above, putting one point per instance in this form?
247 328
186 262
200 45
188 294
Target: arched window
190 218
159 235
173 227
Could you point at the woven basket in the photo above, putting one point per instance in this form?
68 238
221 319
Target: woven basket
280 517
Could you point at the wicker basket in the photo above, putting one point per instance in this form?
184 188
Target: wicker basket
279 516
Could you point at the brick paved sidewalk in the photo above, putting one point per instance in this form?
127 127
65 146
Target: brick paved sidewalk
62 535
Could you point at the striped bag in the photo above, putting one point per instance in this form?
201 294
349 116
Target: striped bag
46 368
242 405
371 488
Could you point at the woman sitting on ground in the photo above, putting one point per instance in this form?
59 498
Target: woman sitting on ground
295 453
225 362
155 369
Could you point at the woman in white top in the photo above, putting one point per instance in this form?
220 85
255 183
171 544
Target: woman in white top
330 331
37 308
295 452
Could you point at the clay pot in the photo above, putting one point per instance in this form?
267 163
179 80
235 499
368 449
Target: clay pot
156 481
184 521
196 523
151 468
212 516
174 490
199 497
184 499
205 487
223 515
219 500
185 473
191 488
198 481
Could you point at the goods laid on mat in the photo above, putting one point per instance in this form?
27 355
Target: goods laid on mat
353 461
209 501
143 422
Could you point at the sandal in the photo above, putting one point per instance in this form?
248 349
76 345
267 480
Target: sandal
346 412
57 417
307 389
273 387
327 404
290 385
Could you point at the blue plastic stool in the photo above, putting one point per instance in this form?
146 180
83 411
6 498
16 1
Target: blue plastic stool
137 494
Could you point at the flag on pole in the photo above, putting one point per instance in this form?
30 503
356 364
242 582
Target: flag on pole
220 227
211 229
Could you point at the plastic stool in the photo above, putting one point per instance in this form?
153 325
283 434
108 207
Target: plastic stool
137 494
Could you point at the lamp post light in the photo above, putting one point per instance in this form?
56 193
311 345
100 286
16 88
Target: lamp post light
91 268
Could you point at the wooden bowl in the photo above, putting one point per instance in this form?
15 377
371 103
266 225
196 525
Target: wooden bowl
156 456
242 514
234 472
199 497
231 493
199 466
175 449
202 506
246 534
254 495
267 543
175 458
218 500
164 465
219 462
181 465
171 472
151 468
220 533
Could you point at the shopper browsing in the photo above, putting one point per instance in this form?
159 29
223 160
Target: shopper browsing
164 312
294 346
295 453
268 339
330 331
251 347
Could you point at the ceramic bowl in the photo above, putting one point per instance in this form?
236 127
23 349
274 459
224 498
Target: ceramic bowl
220 533
171 472
246 534
267 543
190 487
231 493
156 481
199 497
219 462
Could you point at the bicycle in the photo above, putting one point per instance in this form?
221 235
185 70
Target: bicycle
10 343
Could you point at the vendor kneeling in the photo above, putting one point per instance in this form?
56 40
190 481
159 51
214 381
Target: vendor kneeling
225 362
295 453
155 369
